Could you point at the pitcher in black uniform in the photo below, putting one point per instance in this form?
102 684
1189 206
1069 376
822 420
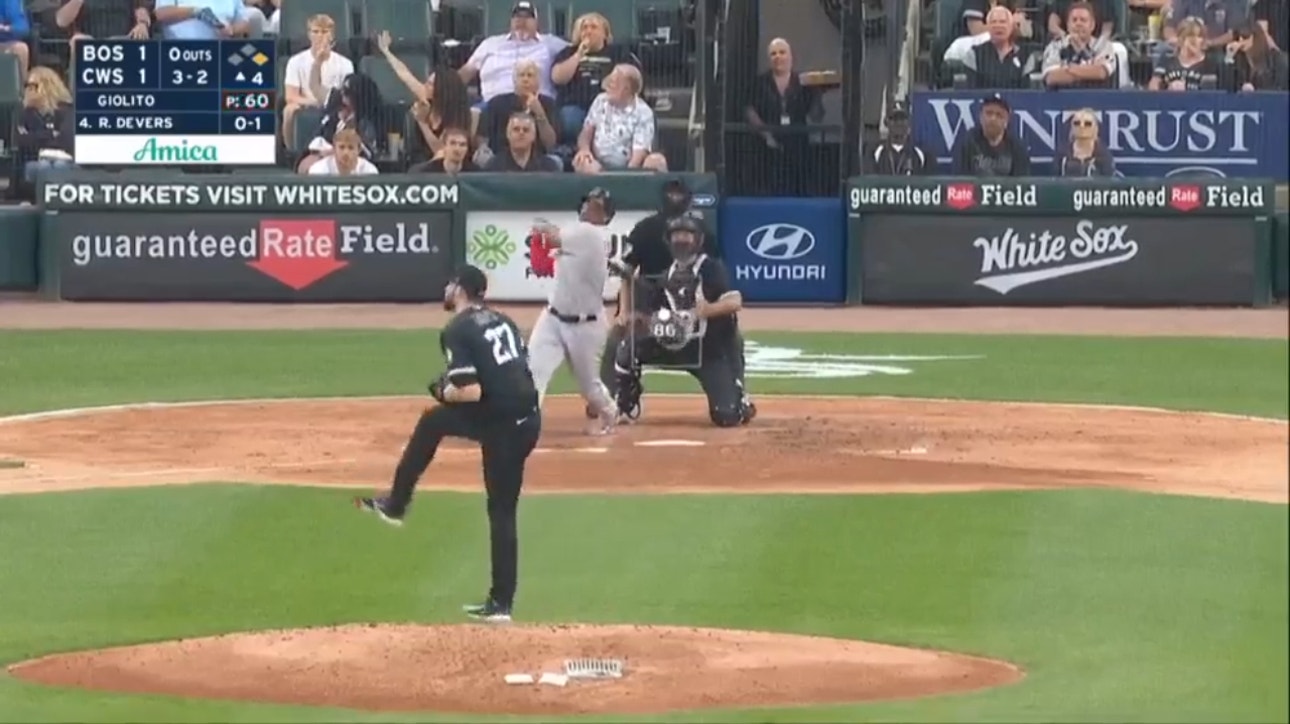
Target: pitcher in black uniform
692 324
486 395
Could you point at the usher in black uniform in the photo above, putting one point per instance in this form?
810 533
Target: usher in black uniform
481 347
716 358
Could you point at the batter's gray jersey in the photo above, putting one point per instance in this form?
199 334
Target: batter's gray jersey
581 268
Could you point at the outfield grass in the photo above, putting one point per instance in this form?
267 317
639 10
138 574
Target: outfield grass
1120 606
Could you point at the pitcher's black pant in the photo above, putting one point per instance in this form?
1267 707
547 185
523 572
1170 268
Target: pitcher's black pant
505 443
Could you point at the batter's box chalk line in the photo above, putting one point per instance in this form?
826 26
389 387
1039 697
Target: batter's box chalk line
593 668
671 443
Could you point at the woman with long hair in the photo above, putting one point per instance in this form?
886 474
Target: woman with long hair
355 104
1185 69
578 72
47 125
1258 65
1085 156
442 101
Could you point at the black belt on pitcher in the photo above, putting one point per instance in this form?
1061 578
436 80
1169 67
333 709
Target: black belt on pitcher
572 318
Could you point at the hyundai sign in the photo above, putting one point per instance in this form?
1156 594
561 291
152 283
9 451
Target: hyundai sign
785 250
1198 133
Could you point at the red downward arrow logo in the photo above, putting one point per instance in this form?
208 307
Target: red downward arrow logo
297 252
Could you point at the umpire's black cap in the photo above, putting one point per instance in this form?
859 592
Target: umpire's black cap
471 280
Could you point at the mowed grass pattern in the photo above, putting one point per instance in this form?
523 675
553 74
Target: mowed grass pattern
1120 606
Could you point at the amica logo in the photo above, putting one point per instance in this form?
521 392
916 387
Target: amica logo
183 152
780 242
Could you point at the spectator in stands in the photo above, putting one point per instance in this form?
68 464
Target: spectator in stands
1085 155
347 158
991 150
47 126
897 155
75 19
1080 59
495 58
312 74
272 15
959 51
15 29
356 105
579 70
1185 69
208 19
1059 16
1256 65
999 62
442 101
618 134
455 157
521 153
495 119
1272 16
1217 19
779 107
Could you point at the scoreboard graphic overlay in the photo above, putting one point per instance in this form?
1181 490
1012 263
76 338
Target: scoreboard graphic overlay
186 103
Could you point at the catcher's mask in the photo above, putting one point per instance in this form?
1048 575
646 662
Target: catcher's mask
606 202
684 237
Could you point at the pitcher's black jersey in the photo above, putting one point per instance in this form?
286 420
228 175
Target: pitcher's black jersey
485 347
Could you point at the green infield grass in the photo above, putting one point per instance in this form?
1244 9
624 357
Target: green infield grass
1120 606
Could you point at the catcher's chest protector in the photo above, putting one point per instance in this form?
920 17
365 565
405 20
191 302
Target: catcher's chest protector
682 286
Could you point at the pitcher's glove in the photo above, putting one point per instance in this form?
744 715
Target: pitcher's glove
437 388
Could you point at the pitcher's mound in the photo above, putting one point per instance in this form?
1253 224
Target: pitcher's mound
461 669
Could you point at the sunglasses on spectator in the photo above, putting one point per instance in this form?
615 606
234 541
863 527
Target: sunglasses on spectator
1082 122
32 84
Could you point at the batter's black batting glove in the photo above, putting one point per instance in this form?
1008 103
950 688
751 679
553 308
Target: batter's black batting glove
436 388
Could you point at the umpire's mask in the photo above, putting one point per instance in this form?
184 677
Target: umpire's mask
676 198
684 238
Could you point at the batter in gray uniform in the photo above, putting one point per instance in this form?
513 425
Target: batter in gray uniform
571 327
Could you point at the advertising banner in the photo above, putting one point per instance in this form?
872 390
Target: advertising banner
86 191
785 249
266 256
497 242
1198 133
1102 259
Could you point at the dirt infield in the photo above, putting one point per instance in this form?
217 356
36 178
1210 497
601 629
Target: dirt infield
461 668
797 445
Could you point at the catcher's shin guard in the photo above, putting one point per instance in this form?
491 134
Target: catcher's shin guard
629 391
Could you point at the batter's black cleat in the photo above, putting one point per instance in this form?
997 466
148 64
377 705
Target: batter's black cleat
380 506
489 611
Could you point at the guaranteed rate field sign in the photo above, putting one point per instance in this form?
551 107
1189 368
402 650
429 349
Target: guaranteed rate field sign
193 103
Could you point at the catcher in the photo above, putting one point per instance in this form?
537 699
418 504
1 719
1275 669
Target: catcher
691 322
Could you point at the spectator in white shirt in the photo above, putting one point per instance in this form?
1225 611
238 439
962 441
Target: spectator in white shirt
493 62
618 134
347 159
312 74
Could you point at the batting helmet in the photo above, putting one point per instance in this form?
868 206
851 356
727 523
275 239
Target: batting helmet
605 198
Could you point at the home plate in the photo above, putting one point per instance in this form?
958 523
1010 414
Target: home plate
671 443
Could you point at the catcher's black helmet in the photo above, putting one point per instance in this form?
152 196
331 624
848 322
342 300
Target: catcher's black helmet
606 201
682 249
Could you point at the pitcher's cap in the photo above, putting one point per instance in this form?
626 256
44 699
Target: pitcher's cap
471 280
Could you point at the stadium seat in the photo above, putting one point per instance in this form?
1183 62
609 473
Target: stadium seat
408 22
10 81
295 16
393 92
462 20
306 121
949 16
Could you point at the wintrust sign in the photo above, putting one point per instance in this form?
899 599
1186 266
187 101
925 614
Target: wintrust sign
785 250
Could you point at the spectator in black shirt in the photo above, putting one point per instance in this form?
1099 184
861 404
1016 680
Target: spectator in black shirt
520 152
991 150
897 155
579 70
779 107
453 157
47 126
999 63
494 122
1080 59
1086 155
355 104
1185 69
1255 65
99 19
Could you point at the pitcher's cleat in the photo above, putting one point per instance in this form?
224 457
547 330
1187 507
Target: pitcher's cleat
379 506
